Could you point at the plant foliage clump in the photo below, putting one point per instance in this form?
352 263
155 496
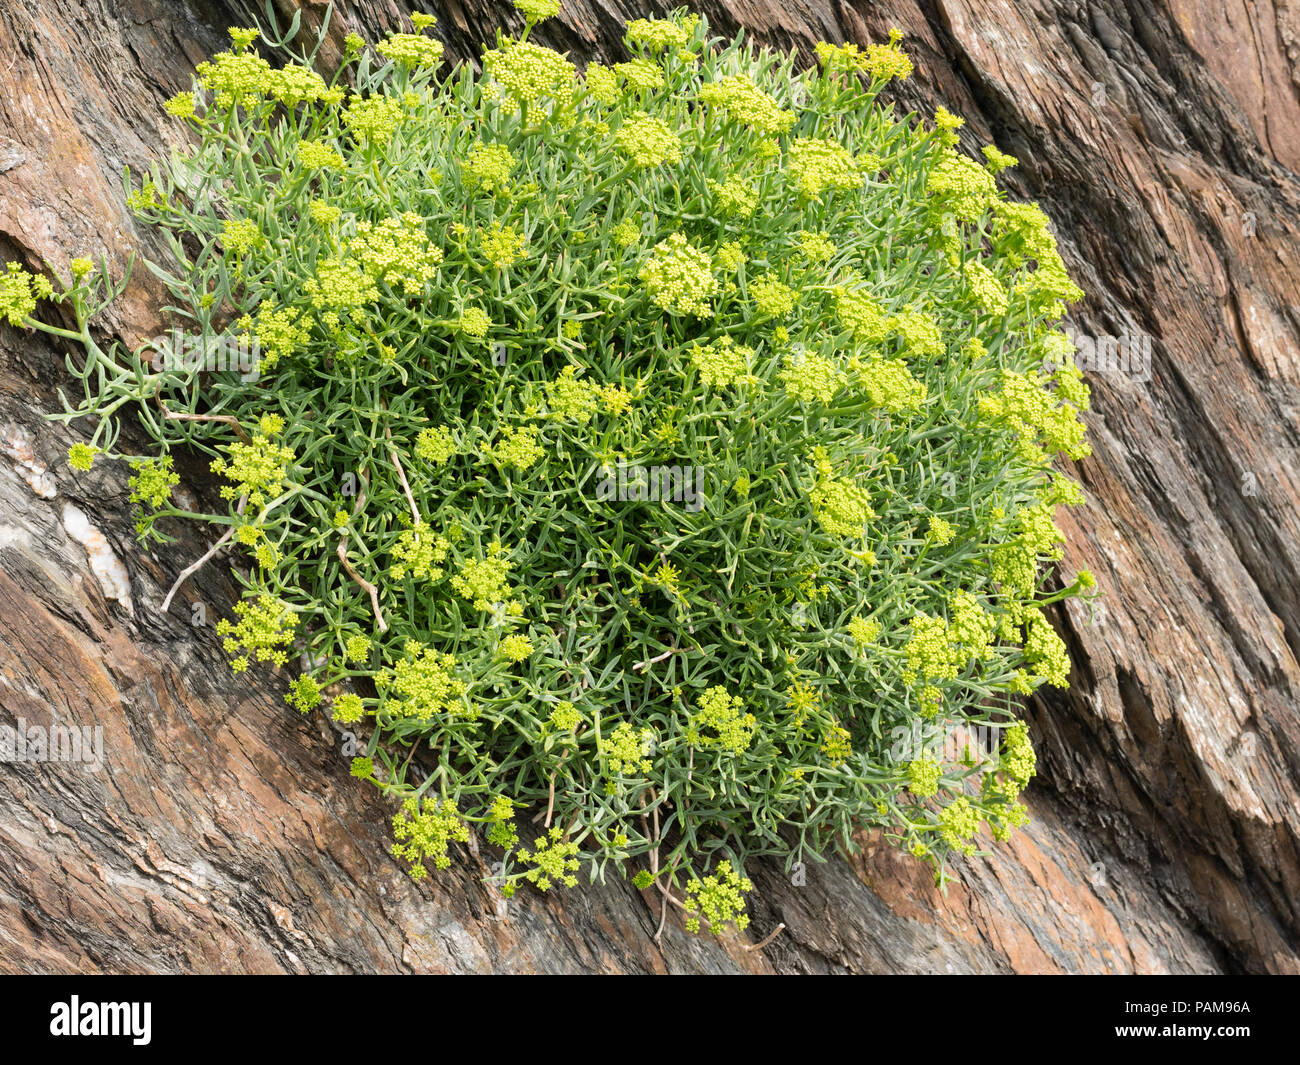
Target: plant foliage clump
660 451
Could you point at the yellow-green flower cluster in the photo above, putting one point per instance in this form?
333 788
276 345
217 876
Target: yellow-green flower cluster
303 693
502 832
864 632
998 161
734 197
731 257
1026 407
648 141
293 84
861 315
488 167
243 78
970 626
258 469
837 745
722 722
890 385
640 74
554 859
818 165
483 581
1016 759
515 647
348 708
340 285
959 822
424 830
722 362
357 648
880 62
939 648
145 198
816 247
82 457
985 287
398 252
241 235
537 10
501 245
740 100
435 445
572 398
661 35
19 292
415 553
280 333
919 332
1021 233
528 72
474 322
1045 651
717 900
515 446
316 155
625 750
180 106
923 776
679 277
152 482
626 233
411 49
565 717
422 685
946 125
960 186
601 83
1004 818
235 77
264 628
1014 563
939 530
323 212
373 119
843 507
811 378
771 296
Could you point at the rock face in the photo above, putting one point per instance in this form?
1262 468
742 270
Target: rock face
222 832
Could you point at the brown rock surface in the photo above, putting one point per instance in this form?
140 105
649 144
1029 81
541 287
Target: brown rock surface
223 832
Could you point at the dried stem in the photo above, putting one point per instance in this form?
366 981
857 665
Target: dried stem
638 666
225 419
764 942
401 473
370 589
194 567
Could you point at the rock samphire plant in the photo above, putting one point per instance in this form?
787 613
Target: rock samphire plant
652 461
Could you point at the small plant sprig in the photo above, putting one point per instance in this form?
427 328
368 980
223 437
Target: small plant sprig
479 301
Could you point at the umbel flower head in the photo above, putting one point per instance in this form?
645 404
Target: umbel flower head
257 470
717 900
528 72
648 141
679 277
